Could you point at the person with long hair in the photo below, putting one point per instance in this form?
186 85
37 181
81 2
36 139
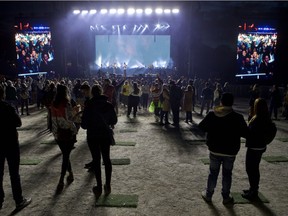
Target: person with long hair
99 118
259 127
62 114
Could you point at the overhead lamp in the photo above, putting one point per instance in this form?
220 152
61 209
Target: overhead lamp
120 11
175 10
76 11
93 11
158 10
130 11
148 10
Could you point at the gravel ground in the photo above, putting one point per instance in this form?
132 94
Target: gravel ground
166 172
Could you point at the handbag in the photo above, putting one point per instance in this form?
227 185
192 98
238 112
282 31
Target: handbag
111 136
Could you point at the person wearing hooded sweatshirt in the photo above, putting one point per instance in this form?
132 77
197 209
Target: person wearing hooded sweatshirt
99 118
224 128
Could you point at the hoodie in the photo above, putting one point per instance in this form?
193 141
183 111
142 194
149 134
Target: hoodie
224 128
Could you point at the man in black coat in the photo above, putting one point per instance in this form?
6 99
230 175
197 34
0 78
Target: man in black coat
224 128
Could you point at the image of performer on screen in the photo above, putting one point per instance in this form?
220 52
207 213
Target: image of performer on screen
266 66
45 64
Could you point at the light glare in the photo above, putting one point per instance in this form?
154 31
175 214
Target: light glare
148 10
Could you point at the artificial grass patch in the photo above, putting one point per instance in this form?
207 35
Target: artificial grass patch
121 161
205 161
238 199
275 159
128 130
118 200
125 143
282 139
27 161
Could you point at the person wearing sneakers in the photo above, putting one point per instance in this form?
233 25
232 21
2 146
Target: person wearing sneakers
99 118
224 128
10 151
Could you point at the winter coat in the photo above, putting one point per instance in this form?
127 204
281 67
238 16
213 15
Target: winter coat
224 129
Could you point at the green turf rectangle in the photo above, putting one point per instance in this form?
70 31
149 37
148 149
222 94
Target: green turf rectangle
128 130
282 139
121 161
49 142
29 161
118 200
275 159
238 199
205 161
125 143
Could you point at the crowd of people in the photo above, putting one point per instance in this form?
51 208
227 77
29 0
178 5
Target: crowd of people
94 104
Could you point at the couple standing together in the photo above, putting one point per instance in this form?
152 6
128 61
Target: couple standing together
224 128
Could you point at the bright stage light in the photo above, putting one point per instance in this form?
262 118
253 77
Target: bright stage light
76 11
93 11
158 10
167 11
103 11
139 11
130 11
175 10
84 12
148 11
112 11
120 11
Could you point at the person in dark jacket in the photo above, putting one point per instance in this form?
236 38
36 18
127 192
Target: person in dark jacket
99 118
256 146
9 150
224 128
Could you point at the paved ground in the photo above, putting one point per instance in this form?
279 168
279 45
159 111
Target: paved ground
166 172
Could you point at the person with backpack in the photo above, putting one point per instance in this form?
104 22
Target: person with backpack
261 132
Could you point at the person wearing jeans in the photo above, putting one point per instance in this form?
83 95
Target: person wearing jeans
227 167
224 128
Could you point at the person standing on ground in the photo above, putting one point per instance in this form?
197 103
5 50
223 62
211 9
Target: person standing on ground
207 97
259 126
176 95
224 128
188 103
133 99
99 118
254 94
62 114
275 101
9 150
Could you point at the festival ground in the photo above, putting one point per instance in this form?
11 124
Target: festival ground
164 174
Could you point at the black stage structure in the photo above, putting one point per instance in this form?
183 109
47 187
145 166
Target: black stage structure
203 34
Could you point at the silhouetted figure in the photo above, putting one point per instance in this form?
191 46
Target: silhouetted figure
9 150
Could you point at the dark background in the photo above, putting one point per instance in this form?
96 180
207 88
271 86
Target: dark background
203 36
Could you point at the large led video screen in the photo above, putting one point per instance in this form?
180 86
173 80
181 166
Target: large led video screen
133 51
256 53
34 51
